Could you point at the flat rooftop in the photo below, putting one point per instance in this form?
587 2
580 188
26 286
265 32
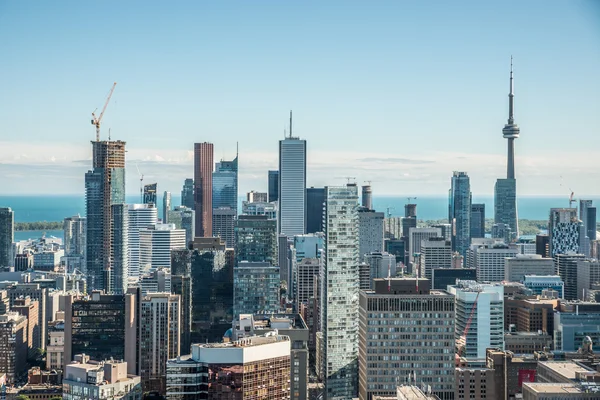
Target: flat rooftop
556 388
568 369
248 342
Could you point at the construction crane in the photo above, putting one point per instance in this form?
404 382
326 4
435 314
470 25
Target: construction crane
410 198
571 199
389 211
462 341
349 178
96 120
141 183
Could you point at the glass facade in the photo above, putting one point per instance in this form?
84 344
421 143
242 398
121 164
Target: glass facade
225 184
273 186
256 239
292 186
187 193
505 204
7 235
459 214
255 288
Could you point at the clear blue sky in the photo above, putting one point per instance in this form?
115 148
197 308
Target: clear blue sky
401 92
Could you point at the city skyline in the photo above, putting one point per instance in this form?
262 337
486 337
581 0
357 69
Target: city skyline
412 89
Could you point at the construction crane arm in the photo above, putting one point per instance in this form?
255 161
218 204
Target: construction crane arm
96 120
107 100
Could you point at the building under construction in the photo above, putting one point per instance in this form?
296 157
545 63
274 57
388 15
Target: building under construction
105 200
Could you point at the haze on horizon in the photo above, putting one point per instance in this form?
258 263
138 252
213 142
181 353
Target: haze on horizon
397 93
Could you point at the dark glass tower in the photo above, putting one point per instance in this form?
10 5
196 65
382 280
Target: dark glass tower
187 194
477 220
150 194
7 236
505 191
315 200
273 186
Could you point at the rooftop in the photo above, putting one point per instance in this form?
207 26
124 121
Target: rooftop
560 388
568 369
270 337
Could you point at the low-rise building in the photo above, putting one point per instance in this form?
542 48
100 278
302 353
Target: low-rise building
562 391
55 347
475 383
527 342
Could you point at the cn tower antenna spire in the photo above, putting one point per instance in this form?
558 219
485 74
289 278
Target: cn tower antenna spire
511 96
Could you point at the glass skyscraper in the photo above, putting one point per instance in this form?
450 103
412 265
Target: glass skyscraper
459 212
255 288
292 186
273 183
225 184
340 287
7 235
187 193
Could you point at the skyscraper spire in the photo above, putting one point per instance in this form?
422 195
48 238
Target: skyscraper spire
511 130
511 96
290 123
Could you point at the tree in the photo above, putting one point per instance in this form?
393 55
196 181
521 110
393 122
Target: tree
22 397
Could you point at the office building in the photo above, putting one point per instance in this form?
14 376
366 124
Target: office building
203 168
119 273
30 310
255 288
364 276
103 327
505 190
380 265
436 252
181 284
106 380
253 368
510 371
224 224
529 315
187 193
167 204
307 273
422 352
292 185
7 236
149 194
105 187
565 266
309 245
475 383
13 345
256 239
477 220
488 256
75 240
273 186
587 214
286 261
515 268
392 227
548 391
563 371
459 211
141 216
487 321
315 201
184 218
55 347
260 208
370 232
527 342
291 325
257 197
395 247
446 230
225 184
571 328
36 293
563 231
156 280
538 284
416 236
442 277
156 243
340 282
159 337
588 274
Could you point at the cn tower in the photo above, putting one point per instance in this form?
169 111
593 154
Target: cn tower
511 130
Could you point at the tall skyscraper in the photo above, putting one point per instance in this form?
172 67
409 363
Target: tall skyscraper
255 288
105 187
505 191
224 225
187 193
460 212
587 214
225 184
150 194
156 243
367 197
436 252
119 272
166 207
564 231
477 220
141 216
273 186
370 232
7 236
75 231
315 199
203 168
184 218
292 185
256 239
339 299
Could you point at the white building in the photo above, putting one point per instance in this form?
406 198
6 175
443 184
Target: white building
141 216
260 208
75 234
106 380
416 237
370 232
487 324
292 186
339 293
436 252
156 243
488 256
515 268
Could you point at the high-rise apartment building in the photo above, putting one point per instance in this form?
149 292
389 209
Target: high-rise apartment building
184 218
13 345
273 184
587 214
436 252
487 322
315 200
203 168
7 236
256 239
141 216
292 185
564 230
339 293
105 187
156 243
149 196
477 220
160 326
119 273
187 193
565 266
459 214
167 203
306 274
252 368
370 232
75 231
255 288
422 350
505 190
515 268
